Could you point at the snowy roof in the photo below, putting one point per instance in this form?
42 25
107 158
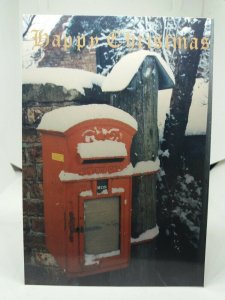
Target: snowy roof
101 149
123 72
61 119
69 78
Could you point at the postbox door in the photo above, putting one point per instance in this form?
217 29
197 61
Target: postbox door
102 227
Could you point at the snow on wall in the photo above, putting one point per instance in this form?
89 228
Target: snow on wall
147 235
101 149
66 77
63 118
164 97
123 72
197 120
144 167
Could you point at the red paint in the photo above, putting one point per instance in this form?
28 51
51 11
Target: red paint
62 199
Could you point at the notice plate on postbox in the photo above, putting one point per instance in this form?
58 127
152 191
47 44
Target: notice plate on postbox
102 185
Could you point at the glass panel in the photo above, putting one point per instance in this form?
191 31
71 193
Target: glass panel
102 227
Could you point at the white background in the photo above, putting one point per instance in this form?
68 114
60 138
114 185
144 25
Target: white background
11 264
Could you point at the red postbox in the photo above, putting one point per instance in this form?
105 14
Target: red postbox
87 178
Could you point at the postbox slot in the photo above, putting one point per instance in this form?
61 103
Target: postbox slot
103 160
102 226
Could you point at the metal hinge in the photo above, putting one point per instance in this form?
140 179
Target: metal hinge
72 228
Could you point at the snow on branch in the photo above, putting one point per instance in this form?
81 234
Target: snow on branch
147 235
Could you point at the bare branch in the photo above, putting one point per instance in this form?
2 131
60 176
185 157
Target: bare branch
29 23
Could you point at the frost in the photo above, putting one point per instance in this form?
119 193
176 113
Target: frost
162 172
185 31
197 119
117 190
146 166
164 153
188 178
101 149
103 192
123 72
147 72
143 167
63 118
66 77
147 235
91 259
32 55
185 200
87 193
65 176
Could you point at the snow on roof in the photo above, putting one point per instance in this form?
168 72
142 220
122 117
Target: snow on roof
123 72
69 78
101 149
61 119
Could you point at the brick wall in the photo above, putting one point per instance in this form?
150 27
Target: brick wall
39 264
59 57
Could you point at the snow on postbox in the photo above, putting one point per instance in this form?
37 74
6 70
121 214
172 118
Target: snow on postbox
87 179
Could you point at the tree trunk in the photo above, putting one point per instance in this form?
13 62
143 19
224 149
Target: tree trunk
140 100
176 123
